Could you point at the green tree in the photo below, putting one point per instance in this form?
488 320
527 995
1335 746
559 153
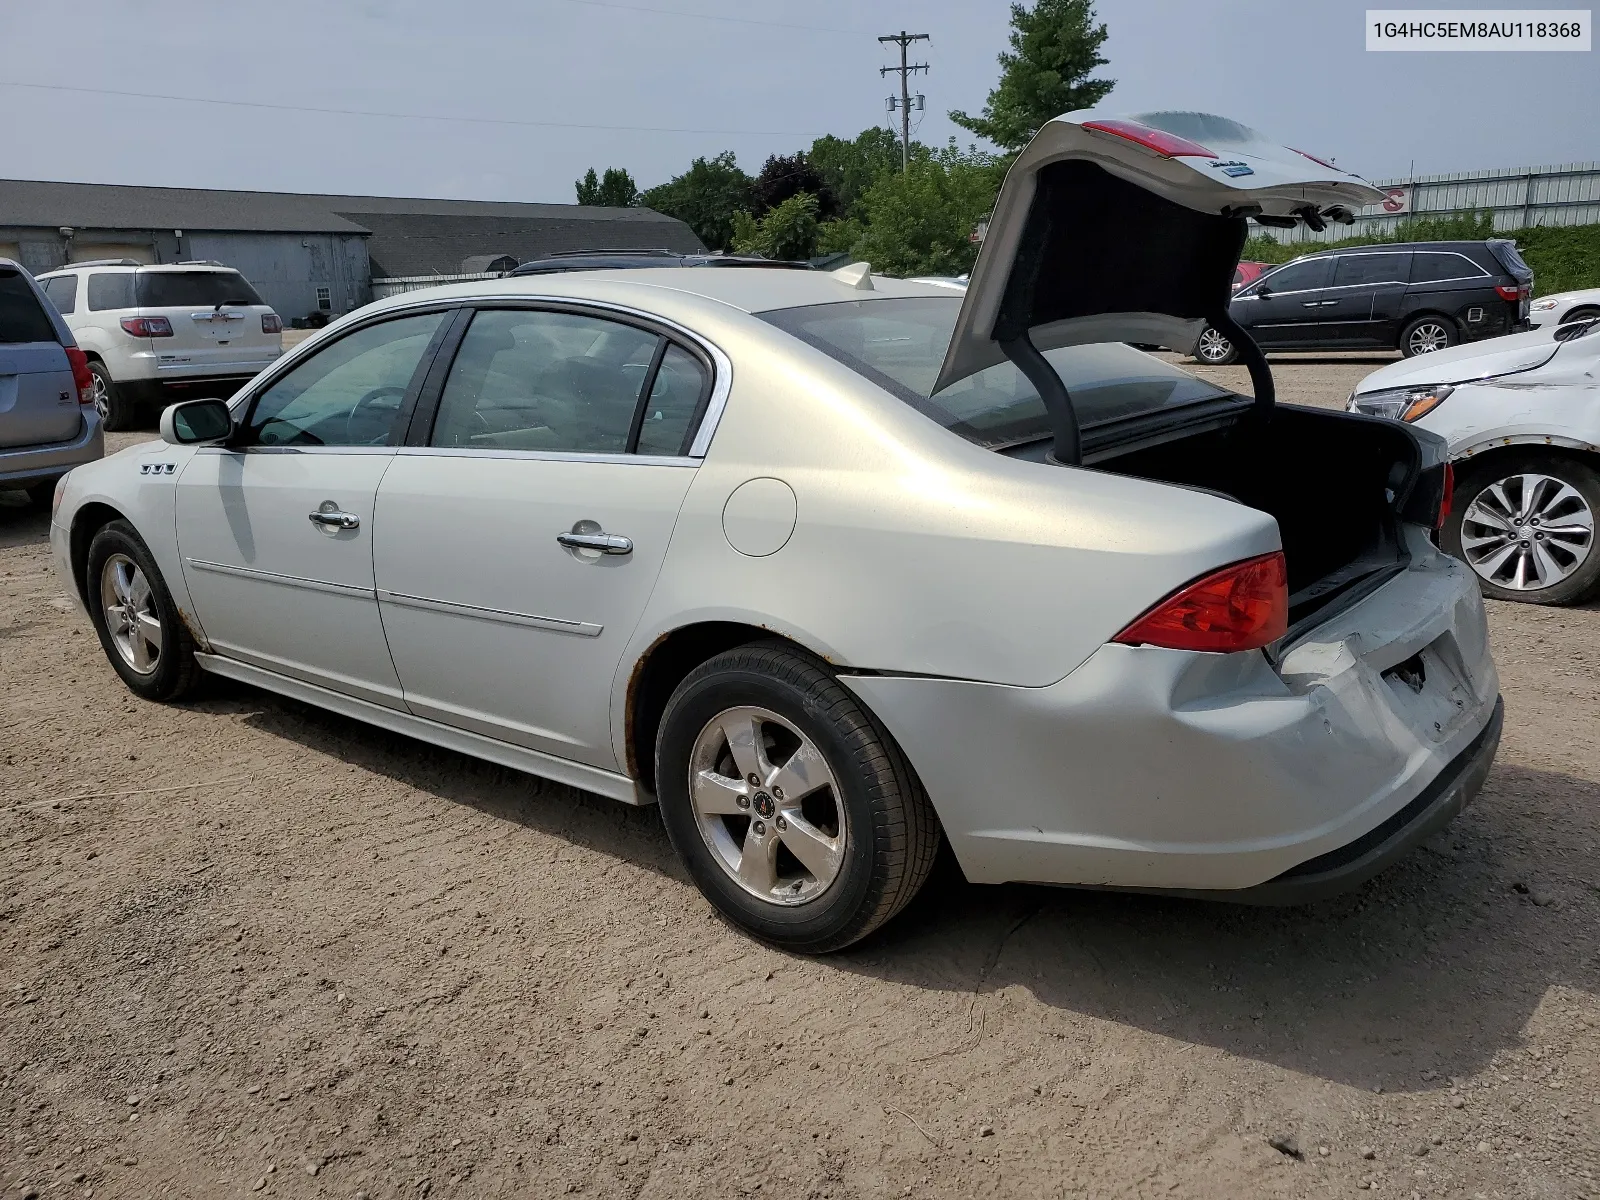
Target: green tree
1054 48
787 231
615 189
921 222
850 166
705 198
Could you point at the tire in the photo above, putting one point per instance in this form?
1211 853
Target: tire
171 671
1213 349
1427 334
864 822
1532 486
118 411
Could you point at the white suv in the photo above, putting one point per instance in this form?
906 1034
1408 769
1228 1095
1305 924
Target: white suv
156 335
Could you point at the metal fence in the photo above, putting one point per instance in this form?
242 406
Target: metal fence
382 288
1517 198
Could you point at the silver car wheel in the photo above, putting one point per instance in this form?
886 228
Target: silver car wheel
129 605
1213 346
1428 337
102 402
768 806
1527 532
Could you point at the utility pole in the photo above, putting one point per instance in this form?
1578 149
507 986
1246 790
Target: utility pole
905 70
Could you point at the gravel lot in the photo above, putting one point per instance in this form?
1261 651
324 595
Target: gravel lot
253 949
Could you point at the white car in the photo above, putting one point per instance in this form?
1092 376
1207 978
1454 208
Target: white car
1565 307
155 334
1522 417
828 564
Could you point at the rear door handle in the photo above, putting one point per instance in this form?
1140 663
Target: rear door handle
606 543
333 518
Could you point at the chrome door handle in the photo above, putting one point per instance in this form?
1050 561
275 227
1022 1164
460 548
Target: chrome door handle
335 519
606 543
1312 303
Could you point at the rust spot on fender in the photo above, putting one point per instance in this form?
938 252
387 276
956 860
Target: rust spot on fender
193 627
628 705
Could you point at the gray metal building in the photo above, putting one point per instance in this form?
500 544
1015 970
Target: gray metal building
307 253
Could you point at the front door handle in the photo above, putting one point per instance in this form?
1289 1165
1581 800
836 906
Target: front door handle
333 518
606 543
1312 303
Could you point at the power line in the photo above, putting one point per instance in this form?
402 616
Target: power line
905 71
404 116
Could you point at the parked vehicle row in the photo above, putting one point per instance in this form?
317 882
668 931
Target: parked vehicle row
1415 298
155 334
792 553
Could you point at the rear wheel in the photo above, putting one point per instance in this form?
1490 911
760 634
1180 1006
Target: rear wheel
1427 334
138 623
1525 524
1214 349
118 411
795 813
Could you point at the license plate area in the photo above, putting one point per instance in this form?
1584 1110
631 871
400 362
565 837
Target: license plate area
1429 689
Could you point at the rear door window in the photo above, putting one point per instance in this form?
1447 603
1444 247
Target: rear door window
22 317
110 290
1429 266
63 293
1356 269
199 289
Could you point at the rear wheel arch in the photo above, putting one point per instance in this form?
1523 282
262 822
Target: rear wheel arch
1426 314
663 666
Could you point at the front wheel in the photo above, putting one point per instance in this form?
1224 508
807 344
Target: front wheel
1427 334
1214 349
140 628
1525 524
795 813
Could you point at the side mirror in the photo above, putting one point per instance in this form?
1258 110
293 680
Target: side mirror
196 421
1263 291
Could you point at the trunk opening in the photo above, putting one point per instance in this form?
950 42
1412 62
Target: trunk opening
1336 486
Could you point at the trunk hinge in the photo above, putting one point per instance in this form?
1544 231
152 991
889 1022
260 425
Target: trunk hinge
1068 451
1260 373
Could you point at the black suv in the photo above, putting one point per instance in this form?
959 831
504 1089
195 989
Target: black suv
1413 297
612 260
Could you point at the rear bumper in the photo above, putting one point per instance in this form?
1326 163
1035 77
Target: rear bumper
22 466
1150 769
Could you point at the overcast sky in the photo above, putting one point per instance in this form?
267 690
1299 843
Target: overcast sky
694 77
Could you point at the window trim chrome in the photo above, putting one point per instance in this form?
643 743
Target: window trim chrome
621 457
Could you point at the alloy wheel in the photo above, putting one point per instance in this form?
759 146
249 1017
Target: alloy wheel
768 805
1527 532
1213 346
1428 337
129 605
102 401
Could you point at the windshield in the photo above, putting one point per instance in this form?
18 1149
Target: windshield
899 344
177 289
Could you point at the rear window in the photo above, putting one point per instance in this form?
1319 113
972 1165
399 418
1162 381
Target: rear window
1431 266
63 292
1506 253
22 317
1370 268
899 344
110 289
176 289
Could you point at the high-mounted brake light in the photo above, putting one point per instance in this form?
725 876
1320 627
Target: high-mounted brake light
147 326
1242 607
1321 162
1168 145
271 323
82 377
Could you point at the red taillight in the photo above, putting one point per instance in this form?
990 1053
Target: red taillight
82 377
147 326
1169 145
1242 607
271 323
1321 162
1511 292
1447 495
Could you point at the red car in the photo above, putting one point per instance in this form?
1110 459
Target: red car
1248 272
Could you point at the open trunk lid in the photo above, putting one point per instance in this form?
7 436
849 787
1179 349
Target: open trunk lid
1128 228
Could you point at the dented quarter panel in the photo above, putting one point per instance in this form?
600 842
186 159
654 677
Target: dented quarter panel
1159 768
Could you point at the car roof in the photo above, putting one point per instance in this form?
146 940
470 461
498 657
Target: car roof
1459 247
110 264
751 291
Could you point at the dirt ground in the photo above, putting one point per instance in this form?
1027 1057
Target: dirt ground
248 948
